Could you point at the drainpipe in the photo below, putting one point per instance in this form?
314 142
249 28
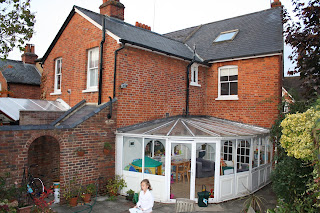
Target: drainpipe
101 59
115 69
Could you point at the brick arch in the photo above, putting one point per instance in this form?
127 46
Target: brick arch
44 150
40 134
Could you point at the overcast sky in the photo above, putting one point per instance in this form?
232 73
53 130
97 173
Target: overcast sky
162 15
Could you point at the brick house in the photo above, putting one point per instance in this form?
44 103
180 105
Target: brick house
206 94
21 79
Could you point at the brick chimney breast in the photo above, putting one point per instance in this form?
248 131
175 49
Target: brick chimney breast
29 56
112 8
275 3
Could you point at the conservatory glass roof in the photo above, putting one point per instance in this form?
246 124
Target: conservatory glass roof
12 106
194 127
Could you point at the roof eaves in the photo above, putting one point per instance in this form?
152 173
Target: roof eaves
66 22
124 41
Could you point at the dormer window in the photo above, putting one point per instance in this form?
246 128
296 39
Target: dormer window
226 36
194 75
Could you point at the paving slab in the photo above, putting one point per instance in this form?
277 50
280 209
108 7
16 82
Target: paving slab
121 205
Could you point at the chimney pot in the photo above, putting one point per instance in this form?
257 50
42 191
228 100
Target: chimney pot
29 56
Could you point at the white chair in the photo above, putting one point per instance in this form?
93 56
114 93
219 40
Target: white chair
185 205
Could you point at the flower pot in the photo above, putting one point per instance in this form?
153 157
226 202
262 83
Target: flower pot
73 201
106 151
80 153
87 198
26 209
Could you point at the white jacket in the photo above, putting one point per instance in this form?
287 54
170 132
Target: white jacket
145 201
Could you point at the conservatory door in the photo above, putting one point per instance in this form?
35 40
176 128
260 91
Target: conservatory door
180 172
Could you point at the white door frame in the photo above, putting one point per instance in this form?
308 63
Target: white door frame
193 165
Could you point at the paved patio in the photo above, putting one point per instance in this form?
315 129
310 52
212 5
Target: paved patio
122 205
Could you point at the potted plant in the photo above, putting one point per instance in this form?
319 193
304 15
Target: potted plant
72 192
88 192
130 194
107 148
114 185
80 151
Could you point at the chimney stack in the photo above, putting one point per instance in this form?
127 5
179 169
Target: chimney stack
143 26
29 57
112 8
275 3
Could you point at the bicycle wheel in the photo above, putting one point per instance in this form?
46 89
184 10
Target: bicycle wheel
37 187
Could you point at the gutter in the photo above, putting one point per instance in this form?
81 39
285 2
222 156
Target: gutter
101 59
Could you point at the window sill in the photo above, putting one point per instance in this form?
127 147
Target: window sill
227 98
55 93
89 90
195 84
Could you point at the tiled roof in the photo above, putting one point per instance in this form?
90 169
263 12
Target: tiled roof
141 37
19 72
259 33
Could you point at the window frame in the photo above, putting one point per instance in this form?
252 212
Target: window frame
227 97
89 70
56 90
194 81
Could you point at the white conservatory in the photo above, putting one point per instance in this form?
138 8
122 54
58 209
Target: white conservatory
180 154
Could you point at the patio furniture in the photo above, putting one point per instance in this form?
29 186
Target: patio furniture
184 205
204 168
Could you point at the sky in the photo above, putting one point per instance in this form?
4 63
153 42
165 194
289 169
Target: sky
162 15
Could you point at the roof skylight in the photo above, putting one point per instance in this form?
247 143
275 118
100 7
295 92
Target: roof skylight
226 36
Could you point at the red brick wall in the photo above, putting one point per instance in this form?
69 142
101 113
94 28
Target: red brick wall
78 37
157 83
17 150
259 92
25 91
156 86
38 117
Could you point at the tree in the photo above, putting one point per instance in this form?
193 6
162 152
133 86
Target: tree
302 34
16 25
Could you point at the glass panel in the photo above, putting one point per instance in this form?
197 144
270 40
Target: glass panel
58 82
268 155
242 156
226 161
180 130
151 128
225 89
58 66
224 78
154 156
180 171
233 77
233 71
224 72
255 153
197 131
93 77
132 153
234 88
262 152
205 167
225 36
